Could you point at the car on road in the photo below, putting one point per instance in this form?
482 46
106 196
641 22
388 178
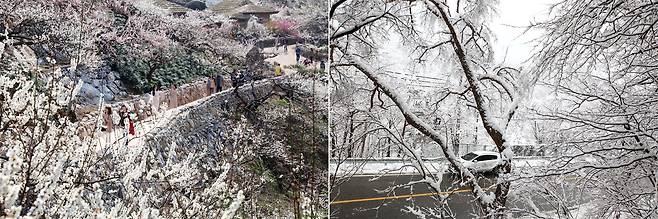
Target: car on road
481 161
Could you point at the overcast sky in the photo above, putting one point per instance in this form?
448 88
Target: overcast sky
512 45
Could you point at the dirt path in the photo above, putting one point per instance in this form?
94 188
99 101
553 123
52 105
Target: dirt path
286 59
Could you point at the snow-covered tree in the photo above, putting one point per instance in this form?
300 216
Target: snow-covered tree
445 39
599 59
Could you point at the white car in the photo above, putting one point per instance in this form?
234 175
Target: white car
481 161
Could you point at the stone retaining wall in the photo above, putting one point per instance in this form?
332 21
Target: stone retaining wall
200 126
145 106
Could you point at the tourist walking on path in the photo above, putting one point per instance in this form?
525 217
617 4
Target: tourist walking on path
137 110
108 124
239 79
173 97
247 77
181 96
148 109
219 79
285 46
107 119
298 52
131 124
278 71
322 65
123 116
276 44
210 85
234 79
155 103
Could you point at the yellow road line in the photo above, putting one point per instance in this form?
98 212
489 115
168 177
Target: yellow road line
413 195
399 196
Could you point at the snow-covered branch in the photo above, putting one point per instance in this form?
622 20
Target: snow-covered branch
419 124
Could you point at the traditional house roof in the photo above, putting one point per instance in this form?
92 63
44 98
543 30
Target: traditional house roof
227 6
256 9
234 9
196 5
171 7
238 16
180 2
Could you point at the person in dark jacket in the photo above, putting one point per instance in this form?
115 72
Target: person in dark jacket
247 77
239 80
285 46
123 115
298 52
234 79
219 79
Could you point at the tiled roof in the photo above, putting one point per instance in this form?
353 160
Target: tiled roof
180 2
228 6
238 16
254 9
171 7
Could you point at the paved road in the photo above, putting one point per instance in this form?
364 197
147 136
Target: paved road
365 197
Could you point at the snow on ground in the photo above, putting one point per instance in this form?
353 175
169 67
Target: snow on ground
581 211
379 167
398 166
